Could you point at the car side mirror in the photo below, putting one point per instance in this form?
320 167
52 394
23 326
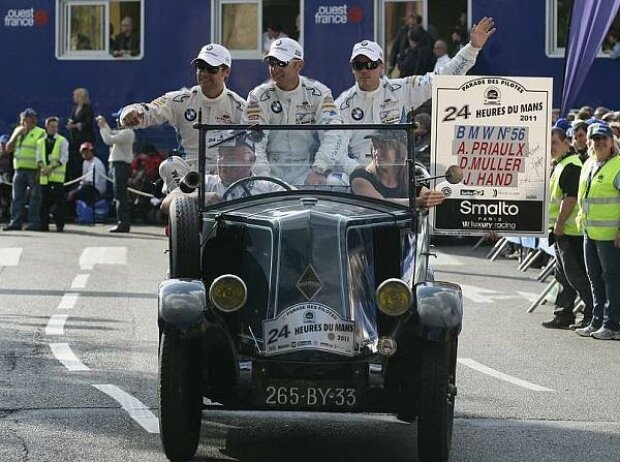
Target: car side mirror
454 174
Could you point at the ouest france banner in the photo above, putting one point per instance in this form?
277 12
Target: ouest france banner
497 130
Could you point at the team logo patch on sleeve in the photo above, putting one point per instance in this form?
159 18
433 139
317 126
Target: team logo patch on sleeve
357 113
190 115
161 101
276 107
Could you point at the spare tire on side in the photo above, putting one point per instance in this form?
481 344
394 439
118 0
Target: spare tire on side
184 239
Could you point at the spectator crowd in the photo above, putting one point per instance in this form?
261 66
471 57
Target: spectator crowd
42 170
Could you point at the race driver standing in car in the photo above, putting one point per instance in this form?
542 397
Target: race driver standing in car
218 104
290 98
376 99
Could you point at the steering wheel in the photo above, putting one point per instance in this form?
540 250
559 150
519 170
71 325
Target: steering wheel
243 182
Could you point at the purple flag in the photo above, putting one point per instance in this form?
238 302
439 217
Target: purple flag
590 21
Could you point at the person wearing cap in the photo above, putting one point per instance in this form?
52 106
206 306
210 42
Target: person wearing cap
290 98
235 160
376 99
385 177
566 236
210 98
121 154
92 167
52 157
23 145
599 199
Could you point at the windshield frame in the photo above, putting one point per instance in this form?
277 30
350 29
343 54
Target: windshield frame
246 128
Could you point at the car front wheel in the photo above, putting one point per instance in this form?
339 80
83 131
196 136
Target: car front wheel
180 396
436 402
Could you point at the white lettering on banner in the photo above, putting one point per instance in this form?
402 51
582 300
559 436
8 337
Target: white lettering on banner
309 326
25 17
333 14
492 208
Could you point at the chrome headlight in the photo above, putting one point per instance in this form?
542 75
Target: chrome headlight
394 297
228 293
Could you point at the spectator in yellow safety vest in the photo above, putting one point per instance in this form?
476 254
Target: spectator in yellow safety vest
52 157
566 235
599 199
23 145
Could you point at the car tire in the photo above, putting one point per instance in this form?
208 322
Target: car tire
436 401
180 396
184 239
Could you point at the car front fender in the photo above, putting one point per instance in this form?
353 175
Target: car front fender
440 309
181 304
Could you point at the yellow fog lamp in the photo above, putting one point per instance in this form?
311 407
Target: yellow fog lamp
394 297
228 293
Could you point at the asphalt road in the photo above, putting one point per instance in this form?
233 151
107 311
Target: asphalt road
78 363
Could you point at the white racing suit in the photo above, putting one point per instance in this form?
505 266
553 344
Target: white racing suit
288 155
389 103
180 109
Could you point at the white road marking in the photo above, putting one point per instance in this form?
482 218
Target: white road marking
80 281
500 375
56 324
9 256
68 301
64 354
137 411
483 295
92 256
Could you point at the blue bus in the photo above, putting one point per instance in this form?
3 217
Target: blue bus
50 47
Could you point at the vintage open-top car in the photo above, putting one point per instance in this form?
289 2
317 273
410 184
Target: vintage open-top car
304 297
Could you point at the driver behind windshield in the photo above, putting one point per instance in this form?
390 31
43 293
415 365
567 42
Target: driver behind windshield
385 177
235 160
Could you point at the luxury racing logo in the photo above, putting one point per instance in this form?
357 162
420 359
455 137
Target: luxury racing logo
357 113
490 208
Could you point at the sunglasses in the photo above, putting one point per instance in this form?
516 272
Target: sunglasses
360 65
274 62
202 66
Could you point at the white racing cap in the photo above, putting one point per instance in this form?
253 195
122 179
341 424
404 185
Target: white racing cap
286 49
214 54
367 48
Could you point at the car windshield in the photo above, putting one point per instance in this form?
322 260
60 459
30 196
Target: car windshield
366 160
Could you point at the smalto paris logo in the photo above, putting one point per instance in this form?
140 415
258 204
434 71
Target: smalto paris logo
338 14
25 17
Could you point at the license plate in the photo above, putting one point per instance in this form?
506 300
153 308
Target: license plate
309 396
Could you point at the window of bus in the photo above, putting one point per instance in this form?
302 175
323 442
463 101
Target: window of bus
559 12
393 17
247 28
103 29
